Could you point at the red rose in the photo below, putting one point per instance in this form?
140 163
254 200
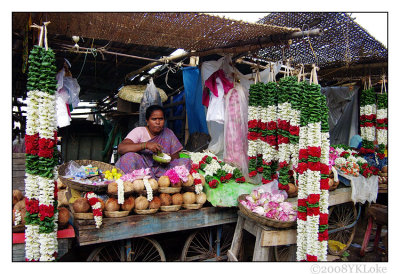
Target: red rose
260 169
283 124
271 140
324 184
197 181
344 153
294 130
324 236
314 151
263 126
32 205
370 117
228 176
365 173
363 117
265 181
271 125
311 258
213 183
381 155
323 218
314 166
364 166
302 202
324 169
368 124
97 212
283 164
93 201
240 180
252 123
253 173
301 168
290 172
312 211
195 167
303 154
283 187
302 215
252 135
313 198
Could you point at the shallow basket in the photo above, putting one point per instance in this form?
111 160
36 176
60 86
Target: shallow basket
260 219
83 216
116 214
169 190
170 208
192 206
145 211
85 187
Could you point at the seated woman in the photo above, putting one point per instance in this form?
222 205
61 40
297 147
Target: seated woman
139 145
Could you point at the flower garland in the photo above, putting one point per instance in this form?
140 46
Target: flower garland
121 191
367 120
270 148
381 124
198 187
41 138
284 116
149 190
17 217
253 122
96 208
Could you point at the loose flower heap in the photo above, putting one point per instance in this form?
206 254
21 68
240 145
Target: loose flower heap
367 120
270 205
177 174
96 208
283 134
212 167
312 221
270 147
254 129
381 124
41 159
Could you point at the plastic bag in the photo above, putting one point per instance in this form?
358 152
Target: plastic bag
73 169
235 131
151 96
216 145
71 85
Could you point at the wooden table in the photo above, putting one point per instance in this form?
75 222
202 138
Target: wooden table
268 237
134 226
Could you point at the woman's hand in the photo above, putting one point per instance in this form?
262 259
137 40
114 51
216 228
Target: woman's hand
155 147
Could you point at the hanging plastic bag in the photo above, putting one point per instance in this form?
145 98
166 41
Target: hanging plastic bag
151 96
235 131
71 85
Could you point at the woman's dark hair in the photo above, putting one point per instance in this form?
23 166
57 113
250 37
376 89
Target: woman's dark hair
151 109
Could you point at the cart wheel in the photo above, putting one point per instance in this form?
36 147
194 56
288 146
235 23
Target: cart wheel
285 253
340 216
139 250
201 245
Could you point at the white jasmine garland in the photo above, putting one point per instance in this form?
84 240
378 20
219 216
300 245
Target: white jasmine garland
17 217
32 112
381 136
211 168
46 191
227 168
120 185
48 246
149 190
301 252
32 245
198 189
252 149
381 113
31 186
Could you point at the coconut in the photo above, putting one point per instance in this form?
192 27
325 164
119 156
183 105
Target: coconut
19 205
189 181
166 199
177 199
128 204
128 186
201 198
81 205
112 205
112 188
203 180
153 183
164 181
17 196
155 203
384 169
138 185
62 197
189 198
292 189
178 184
141 203
63 216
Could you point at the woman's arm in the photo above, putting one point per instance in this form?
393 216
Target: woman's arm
128 145
175 155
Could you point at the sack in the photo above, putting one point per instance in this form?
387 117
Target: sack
151 96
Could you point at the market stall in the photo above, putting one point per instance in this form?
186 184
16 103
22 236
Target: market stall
269 168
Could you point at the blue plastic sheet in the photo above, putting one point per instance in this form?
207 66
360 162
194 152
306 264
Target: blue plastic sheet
193 93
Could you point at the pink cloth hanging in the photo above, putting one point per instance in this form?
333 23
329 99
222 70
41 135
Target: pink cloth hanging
211 84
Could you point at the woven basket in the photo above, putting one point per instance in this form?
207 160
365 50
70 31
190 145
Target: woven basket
170 208
83 216
85 187
260 219
169 189
192 206
116 214
145 211
134 93
18 228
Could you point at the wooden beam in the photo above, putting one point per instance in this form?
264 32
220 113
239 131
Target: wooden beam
278 237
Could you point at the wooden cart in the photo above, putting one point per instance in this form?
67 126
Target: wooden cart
129 238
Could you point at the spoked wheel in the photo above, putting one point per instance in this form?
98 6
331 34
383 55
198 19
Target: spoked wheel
285 253
341 216
133 250
202 244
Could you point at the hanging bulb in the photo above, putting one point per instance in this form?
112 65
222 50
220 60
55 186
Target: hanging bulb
76 40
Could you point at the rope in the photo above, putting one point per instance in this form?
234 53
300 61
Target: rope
172 69
93 51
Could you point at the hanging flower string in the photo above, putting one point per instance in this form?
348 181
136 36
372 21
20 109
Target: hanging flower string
381 124
96 208
367 120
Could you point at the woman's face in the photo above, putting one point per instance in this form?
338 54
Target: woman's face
156 122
